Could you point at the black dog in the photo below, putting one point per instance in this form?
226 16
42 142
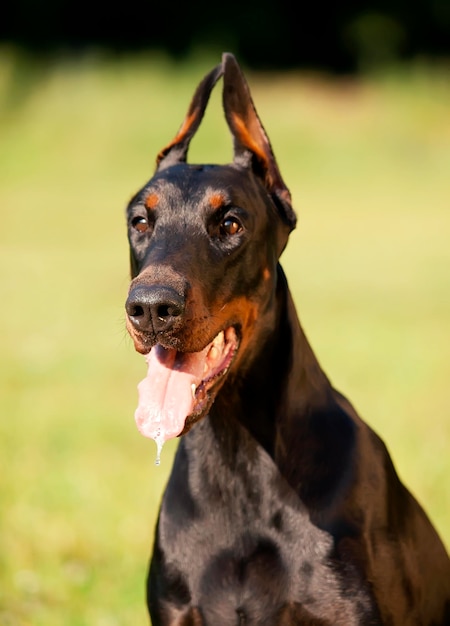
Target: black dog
283 507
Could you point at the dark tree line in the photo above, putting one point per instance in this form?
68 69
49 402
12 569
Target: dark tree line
336 36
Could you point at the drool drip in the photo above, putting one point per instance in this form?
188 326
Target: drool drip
159 440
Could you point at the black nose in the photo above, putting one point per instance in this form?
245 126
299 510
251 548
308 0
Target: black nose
154 307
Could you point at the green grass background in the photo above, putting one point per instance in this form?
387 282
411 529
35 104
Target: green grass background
368 165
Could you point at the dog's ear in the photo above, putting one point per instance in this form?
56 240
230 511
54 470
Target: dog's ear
176 151
251 145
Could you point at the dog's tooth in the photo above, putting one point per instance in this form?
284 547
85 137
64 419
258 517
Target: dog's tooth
193 389
213 353
219 340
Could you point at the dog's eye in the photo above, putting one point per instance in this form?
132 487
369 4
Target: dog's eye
140 224
230 226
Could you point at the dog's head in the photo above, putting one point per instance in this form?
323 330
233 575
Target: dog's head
204 247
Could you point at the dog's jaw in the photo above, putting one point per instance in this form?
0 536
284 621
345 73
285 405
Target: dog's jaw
221 353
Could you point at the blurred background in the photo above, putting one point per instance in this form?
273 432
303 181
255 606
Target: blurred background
356 101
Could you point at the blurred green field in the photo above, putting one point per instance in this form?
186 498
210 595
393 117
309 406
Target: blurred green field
368 165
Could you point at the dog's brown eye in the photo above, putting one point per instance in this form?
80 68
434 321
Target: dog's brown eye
140 224
230 226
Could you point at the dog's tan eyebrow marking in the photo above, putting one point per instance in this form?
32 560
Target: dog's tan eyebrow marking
217 200
151 201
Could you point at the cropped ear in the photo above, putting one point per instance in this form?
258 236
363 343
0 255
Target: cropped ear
176 151
251 145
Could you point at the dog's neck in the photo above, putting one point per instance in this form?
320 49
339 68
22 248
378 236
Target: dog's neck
309 423
283 366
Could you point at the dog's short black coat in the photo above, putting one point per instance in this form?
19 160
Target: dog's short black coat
283 506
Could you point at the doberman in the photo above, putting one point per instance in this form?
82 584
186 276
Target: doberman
283 507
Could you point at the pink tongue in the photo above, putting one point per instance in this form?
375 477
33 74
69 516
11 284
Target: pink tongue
166 395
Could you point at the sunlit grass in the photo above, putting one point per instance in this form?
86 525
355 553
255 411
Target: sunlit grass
368 165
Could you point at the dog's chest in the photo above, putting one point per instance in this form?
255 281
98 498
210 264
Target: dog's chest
243 544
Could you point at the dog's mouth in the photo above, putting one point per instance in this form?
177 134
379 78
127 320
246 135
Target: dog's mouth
180 386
